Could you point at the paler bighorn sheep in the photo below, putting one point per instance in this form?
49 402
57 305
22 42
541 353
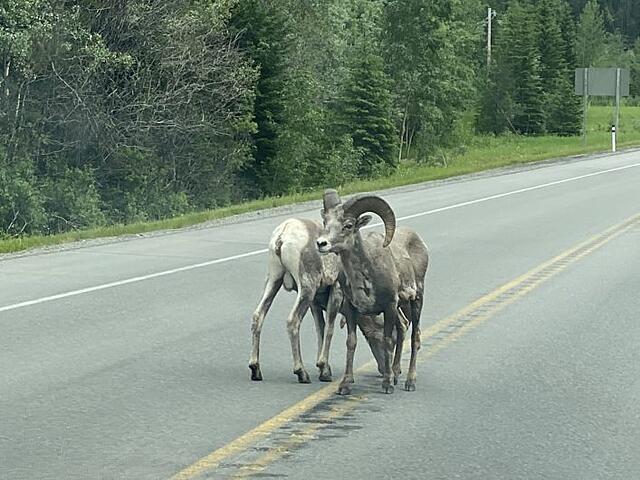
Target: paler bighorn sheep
378 275
294 262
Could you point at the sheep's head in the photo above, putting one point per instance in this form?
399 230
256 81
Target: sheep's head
343 221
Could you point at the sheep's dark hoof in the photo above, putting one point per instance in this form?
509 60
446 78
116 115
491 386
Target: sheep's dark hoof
344 389
303 376
395 379
410 385
387 387
256 374
325 374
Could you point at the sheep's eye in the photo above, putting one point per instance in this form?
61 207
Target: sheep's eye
347 226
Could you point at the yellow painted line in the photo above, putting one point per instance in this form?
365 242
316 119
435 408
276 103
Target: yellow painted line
520 286
598 240
240 444
297 439
554 266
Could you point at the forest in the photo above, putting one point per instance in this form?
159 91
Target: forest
118 111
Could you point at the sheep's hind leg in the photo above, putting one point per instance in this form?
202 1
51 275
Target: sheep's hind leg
293 328
272 286
390 321
401 330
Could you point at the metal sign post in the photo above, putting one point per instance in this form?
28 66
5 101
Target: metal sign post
607 82
618 72
585 104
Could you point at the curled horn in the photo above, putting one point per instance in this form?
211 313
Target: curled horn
359 204
330 199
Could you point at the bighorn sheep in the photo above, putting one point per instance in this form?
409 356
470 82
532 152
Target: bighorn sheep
294 262
378 276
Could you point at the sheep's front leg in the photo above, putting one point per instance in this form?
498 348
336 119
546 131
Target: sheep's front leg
352 339
333 306
373 331
272 286
416 310
293 328
390 321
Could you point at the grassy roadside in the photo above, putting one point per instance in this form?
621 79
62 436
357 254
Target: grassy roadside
480 153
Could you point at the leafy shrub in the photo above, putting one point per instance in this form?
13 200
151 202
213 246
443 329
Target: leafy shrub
72 201
21 204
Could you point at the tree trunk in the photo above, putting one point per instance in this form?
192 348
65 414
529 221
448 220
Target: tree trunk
410 135
7 66
403 131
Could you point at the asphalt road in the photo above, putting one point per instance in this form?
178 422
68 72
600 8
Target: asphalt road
128 360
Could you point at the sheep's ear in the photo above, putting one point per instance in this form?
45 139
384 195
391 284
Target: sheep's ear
362 221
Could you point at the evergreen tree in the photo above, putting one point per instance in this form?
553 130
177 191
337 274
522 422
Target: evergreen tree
591 36
263 28
514 99
366 114
634 87
528 114
556 39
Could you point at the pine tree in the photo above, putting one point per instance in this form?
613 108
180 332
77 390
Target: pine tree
514 99
557 34
366 114
591 36
634 87
263 28
529 114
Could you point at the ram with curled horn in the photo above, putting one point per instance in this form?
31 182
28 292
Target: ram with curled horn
380 275
295 264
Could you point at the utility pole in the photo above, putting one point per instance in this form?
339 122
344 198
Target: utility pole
490 14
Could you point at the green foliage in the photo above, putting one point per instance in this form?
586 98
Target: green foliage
595 47
432 55
72 200
366 115
620 15
263 28
114 111
634 66
557 31
84 87
519 49
134 192
530 88
21 204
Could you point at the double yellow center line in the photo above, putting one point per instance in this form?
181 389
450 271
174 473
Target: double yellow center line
439 335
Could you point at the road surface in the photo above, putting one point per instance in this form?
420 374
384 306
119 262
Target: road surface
128 359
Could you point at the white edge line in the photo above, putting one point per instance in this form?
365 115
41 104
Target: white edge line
264 250
130 280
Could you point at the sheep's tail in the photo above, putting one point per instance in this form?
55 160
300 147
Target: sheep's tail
278 246
288 282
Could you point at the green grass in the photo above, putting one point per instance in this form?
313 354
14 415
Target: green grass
479 153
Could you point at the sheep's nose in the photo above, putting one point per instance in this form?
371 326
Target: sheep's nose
321 243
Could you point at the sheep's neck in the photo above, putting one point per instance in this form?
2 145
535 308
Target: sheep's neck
358 268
